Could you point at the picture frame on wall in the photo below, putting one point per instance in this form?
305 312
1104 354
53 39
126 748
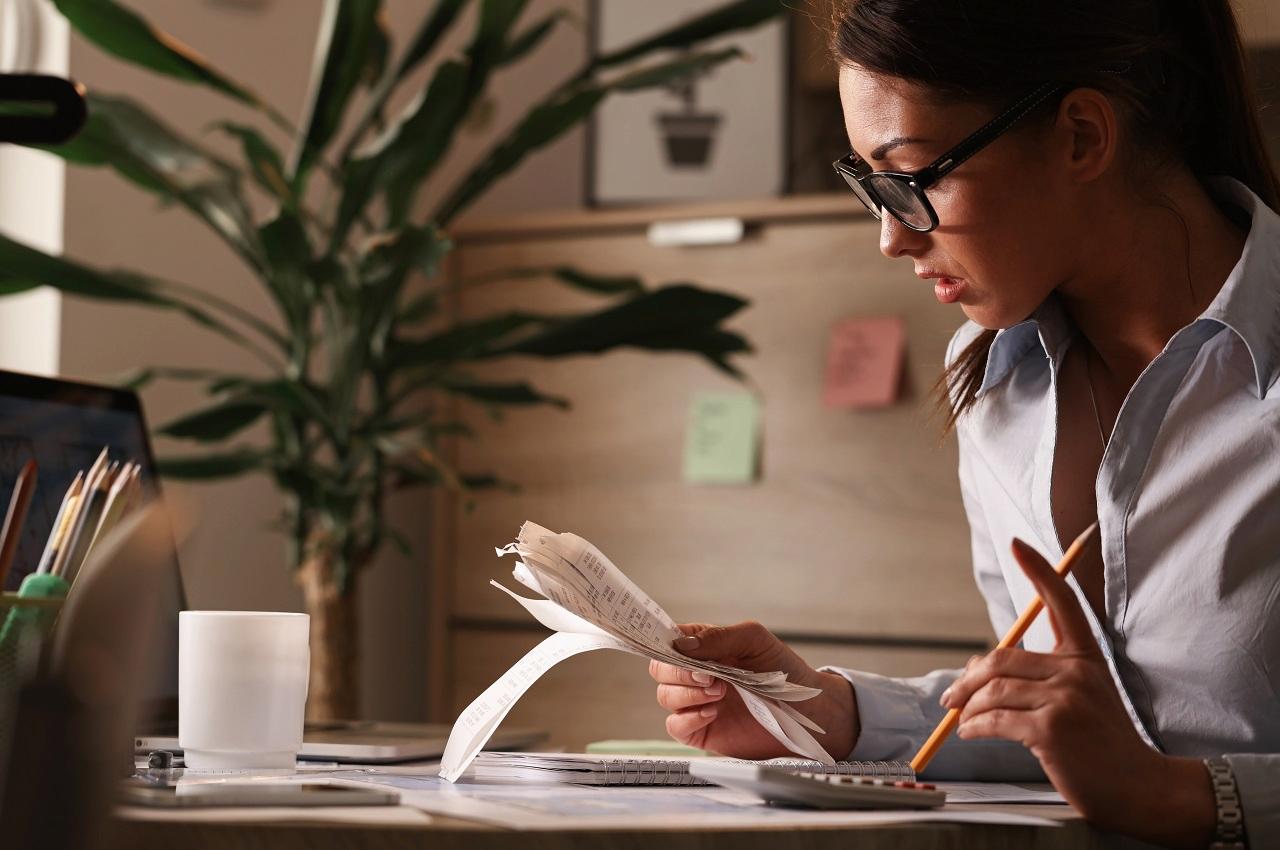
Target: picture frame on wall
719 136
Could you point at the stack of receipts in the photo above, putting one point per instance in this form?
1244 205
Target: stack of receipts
591 605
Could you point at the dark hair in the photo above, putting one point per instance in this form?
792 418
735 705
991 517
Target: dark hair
1184 86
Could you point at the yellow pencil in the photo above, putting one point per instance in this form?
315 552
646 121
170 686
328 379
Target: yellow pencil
1016 631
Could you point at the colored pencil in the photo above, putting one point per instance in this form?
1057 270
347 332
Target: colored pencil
23 489
1015 634
81 535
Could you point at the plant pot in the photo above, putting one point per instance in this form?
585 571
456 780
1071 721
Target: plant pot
688 137
333 689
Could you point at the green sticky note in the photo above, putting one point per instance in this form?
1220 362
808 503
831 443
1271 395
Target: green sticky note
722 442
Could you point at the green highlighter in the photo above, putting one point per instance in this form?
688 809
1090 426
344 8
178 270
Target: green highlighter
36 586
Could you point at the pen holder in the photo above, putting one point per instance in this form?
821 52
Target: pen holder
26 620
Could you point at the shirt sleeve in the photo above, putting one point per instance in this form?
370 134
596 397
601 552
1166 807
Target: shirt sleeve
896 716
1258 781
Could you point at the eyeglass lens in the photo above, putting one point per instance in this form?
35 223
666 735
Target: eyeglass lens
903 201
867 201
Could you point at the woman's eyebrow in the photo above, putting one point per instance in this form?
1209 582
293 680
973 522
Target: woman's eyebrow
896 142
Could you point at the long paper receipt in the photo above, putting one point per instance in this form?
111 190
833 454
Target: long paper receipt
592 605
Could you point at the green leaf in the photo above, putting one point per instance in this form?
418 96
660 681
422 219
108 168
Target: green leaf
23 268
283 395
428 35
288 252
528 41
553 117
210 466
423 42
385 267
518 393
214 423
139 378
464 340
543 124
409 152
379 54
678 317
351 37
731 17
125 34
127 137
264 160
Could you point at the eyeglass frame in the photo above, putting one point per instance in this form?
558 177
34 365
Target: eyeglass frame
925 178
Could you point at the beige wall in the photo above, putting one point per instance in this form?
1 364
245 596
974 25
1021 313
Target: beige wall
233 560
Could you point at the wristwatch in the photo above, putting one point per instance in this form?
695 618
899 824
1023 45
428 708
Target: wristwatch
1229 833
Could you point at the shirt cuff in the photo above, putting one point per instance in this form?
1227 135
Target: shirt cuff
896 717
1258 781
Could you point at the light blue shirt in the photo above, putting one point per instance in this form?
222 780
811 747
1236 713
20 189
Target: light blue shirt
1188 497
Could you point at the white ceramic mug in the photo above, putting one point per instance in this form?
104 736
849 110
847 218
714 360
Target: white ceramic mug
242 688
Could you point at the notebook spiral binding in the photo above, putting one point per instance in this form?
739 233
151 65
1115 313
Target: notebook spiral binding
896 770
648 772
666 772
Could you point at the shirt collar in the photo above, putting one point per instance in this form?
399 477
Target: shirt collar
1047 331
1248 303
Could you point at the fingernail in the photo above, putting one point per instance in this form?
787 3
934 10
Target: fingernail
708 711
945 699
702 678
713 691
687 643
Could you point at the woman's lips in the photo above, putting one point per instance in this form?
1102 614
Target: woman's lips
948 289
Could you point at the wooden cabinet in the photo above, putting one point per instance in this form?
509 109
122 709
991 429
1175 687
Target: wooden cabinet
1259 22
853 543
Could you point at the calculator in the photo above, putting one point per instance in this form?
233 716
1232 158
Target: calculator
817 790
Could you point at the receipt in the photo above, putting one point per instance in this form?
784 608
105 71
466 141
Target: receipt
591 605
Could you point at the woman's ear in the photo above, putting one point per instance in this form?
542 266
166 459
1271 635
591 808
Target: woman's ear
1089 129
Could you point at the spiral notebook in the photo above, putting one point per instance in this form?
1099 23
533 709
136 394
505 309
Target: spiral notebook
584 769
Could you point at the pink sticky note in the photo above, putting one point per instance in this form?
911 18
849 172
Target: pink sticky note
864 362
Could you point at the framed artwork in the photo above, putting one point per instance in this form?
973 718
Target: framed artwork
718 135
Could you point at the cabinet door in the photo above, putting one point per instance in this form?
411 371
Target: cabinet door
1259 22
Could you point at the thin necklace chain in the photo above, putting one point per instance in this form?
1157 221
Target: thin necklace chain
1093 399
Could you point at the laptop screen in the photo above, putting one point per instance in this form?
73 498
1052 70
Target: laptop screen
64 425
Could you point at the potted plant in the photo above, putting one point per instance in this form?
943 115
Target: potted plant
360 346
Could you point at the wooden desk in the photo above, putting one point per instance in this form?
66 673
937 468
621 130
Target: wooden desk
143 830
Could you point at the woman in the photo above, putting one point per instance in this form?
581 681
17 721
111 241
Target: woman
1110 232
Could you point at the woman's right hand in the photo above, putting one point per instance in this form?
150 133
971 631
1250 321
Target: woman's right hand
707 713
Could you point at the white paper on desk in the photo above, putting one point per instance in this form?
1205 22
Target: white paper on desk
999 792
570 807
592 605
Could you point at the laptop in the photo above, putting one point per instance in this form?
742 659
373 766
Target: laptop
64 425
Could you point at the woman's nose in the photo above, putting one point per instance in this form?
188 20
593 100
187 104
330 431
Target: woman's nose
896 239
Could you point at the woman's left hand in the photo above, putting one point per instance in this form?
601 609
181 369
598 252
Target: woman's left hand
1064 707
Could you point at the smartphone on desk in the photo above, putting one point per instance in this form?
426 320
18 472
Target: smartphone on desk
177 794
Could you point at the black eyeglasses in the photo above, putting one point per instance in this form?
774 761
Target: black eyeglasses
902 193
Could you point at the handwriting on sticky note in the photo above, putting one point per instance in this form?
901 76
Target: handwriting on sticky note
723 439
864 362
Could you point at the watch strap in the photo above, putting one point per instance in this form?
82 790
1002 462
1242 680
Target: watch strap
1229 832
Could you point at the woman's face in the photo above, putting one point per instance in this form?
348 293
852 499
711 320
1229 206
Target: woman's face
1005 237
